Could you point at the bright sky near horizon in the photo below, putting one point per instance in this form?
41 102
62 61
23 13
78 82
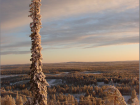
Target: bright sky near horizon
73 30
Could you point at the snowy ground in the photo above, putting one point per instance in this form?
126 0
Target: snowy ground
88 72
50 81
77 96
62 73
6 76
52 74
54 81
100 84
59 81
20 82
127 97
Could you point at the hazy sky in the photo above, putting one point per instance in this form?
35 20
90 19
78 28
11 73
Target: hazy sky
73 30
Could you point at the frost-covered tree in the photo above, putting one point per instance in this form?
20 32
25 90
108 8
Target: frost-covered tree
113 96
134 99
19 100
133 94
24 98
8 100
0 100
38 81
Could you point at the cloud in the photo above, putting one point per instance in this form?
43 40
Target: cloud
107 25
15 13
55 8
95 40
119 41
6 39
14 52
16 45
70 23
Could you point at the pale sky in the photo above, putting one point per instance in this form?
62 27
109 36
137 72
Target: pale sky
73 30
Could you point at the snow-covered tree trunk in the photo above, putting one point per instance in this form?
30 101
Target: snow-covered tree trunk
38 81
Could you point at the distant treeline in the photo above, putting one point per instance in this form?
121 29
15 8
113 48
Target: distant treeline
105 67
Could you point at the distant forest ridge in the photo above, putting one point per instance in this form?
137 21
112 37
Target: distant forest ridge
75 62
57 68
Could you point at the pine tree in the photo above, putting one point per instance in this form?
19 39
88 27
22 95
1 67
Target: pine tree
96 89
8 100
19 100
38 81
0 100
81 99
24 99
98 101
133 94
134 99
87 93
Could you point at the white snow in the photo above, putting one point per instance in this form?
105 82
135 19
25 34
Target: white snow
127 97
6 76
88 72
20 82
76 96
54 81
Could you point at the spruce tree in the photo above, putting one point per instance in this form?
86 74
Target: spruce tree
133 94
38 82
8 100
24 98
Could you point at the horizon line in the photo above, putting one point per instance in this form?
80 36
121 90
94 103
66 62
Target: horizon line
74 62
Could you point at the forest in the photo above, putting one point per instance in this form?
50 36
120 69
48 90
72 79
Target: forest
72 83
